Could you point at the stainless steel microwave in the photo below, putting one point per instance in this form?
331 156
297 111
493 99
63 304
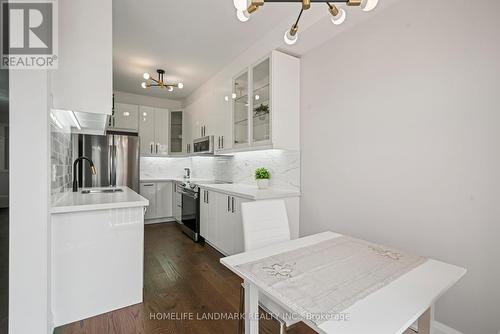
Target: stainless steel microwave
204 145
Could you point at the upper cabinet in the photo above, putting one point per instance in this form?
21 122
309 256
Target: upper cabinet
176 133
153 131
265 107
241 107
83 81
125 118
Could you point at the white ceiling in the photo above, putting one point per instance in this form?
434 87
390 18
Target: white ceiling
190 39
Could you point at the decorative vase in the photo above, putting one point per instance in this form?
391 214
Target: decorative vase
263 183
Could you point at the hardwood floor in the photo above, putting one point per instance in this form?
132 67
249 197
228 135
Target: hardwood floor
181 278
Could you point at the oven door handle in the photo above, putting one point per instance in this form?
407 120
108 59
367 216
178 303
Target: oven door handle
188 194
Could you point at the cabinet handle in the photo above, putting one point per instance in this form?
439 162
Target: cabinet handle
158 144
222 141
151 148
219 142
207 195
228 203
232 205
148 185
113 121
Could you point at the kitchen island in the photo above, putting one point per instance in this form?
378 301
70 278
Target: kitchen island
97 242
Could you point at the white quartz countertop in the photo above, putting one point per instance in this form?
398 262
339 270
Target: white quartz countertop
250 192
234 189
75 202
176 179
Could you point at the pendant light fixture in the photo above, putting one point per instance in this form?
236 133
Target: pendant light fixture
151 82
245 8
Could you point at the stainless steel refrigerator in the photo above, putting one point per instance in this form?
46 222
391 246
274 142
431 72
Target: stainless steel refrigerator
115 156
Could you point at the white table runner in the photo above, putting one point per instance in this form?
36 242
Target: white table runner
322 280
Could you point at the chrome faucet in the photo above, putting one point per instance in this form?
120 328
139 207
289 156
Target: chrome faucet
187 173
92 169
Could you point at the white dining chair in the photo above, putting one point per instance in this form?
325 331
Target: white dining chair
266 223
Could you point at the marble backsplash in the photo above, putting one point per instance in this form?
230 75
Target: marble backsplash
284 167
61 155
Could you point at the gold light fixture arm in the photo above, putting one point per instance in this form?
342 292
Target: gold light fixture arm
306 4
354 2
333 9
255 5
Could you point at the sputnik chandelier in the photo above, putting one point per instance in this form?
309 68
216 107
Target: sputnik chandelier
151 82
244 8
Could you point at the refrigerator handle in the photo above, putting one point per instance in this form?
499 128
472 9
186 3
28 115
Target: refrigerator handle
110 160
114 163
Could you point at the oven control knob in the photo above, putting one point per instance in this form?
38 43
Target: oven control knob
192 186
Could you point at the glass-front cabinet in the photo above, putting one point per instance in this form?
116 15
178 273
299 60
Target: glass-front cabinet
261 103
265 106
240 110
252 106
176 125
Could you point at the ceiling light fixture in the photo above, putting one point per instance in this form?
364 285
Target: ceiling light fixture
159 82
243 12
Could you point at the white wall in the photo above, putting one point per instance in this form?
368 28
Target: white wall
143 100
400 125
29 203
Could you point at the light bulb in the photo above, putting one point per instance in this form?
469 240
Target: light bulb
339 18
368 5
233 96
180 85
146 76
144 114
257 97
240 4
144 85
289 38
170 88
242 15
126 114
226 98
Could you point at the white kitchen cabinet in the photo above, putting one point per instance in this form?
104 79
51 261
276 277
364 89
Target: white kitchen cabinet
159 195
204 214
153 131
146 130
208 215
148 190
161 132
125 118
221 222
176 203
164 199
97 260
83 81
265 111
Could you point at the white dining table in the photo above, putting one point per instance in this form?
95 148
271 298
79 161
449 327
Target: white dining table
390 310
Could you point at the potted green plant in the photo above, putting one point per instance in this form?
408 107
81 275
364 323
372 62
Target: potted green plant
262 176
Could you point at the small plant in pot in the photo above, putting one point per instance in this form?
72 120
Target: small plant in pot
262 176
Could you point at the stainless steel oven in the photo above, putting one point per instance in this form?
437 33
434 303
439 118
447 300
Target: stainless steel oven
190 216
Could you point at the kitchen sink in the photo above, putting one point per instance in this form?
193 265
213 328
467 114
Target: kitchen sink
102 191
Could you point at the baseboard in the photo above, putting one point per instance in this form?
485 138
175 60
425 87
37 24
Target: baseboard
439 328
159 220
